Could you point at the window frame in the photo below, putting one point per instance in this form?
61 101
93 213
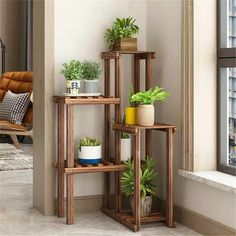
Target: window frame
226 58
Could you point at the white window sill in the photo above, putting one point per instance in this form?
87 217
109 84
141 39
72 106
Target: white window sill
213 178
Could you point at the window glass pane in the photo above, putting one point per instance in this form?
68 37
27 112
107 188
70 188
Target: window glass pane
231 116
227 23
227 105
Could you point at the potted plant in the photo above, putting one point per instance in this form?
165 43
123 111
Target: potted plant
146 99
119 36
90 151
125 147
90 74
72 71
147 188
131 110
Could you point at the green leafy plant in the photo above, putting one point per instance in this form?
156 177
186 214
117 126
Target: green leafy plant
89 142
72 70
122 28
90 70
150 96
147 175
131 93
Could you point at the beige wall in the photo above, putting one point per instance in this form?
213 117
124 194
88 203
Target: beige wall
10 21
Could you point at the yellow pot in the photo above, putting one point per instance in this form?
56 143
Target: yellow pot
130 115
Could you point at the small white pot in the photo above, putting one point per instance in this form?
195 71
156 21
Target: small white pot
145 115
90 86
90 154
125 149
73 87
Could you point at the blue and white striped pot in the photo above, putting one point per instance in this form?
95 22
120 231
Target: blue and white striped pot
73 87
90 154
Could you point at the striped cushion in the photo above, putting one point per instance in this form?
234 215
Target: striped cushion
14 106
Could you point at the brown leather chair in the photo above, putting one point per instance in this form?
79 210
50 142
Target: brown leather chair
17 82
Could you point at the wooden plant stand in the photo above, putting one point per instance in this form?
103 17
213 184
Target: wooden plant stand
69 167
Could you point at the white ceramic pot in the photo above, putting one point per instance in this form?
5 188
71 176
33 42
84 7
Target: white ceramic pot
125 149
145 115
90 154
90 86
73 87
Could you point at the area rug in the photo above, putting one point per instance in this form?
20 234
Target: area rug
12 158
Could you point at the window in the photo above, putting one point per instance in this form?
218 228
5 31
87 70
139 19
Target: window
227 86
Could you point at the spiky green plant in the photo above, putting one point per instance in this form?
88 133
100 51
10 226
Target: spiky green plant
122 28
147 175
72 70
150 96
89 142
90 70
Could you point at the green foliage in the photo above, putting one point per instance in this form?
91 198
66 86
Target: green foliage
124 135
72 70
89 142
150 96
122 28
147 175
90 70
131 93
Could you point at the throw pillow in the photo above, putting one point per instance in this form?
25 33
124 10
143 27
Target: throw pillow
13 107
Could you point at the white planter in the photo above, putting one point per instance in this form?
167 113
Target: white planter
90 86
125 149
73 87
145 115
90 154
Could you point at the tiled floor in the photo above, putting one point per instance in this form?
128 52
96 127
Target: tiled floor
17 217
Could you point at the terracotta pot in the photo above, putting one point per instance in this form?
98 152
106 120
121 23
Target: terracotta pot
130 115
73 87
145 115
145 205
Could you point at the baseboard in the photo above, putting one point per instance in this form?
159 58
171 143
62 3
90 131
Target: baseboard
190 219
198 222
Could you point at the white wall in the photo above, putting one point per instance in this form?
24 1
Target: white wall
165 38
79 29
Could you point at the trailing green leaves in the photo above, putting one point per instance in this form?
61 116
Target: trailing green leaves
150 96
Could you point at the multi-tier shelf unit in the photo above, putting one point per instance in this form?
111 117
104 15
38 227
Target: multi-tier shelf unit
69 167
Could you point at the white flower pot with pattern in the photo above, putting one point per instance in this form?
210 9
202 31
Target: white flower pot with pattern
72 87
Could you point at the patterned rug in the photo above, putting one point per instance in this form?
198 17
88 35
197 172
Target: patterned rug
12 158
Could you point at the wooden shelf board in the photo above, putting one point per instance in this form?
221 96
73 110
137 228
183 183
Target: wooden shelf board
127 219
104 166
93 100
133 128
117 54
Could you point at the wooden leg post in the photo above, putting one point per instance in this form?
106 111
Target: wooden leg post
137 180
61 143
106 133
70 163
169 178
148 78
